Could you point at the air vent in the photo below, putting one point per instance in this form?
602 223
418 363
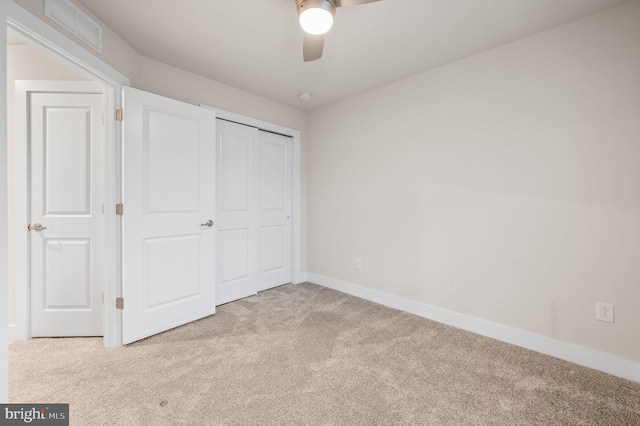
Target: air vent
74 20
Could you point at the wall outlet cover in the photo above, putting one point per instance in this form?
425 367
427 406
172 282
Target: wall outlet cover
604 312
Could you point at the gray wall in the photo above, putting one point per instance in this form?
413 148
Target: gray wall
504 186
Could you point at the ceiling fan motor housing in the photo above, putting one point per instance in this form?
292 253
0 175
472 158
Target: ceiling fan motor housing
321 4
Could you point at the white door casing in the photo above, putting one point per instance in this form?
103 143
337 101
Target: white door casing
169 181
66 198
254 174
274 217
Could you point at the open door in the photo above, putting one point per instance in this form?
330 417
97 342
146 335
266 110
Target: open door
169 205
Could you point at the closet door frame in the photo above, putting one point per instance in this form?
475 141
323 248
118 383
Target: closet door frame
298 276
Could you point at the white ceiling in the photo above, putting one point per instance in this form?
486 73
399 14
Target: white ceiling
257 45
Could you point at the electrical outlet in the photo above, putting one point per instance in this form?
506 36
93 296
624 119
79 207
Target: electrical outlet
604 312
358 263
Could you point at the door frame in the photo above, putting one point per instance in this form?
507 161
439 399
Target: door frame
297 276
36 32
20 207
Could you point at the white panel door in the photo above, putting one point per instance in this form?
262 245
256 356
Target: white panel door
169 207
274 216
66 201
237 208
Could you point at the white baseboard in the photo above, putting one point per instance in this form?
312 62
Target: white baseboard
300 278
13 333
569 352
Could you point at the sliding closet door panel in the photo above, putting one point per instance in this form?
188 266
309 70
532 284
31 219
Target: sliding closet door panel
274 216
236 218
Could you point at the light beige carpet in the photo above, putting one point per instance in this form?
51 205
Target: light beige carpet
307 355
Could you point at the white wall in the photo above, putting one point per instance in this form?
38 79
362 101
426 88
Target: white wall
504 186
175 83
4 370
24 62
115 51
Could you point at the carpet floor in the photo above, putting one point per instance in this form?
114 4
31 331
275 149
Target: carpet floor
308 355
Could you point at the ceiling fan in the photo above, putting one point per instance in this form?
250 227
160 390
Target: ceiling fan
316 18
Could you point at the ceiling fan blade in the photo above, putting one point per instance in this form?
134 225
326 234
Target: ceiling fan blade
346 3
312 47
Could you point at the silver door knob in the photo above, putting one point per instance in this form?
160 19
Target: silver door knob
209 223
36 227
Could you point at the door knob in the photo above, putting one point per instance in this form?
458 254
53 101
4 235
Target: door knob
36 227
209 223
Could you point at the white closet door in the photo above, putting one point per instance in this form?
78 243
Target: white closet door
274 216
253 200
237 208
169 237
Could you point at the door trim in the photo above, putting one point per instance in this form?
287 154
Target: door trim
38 33
297 276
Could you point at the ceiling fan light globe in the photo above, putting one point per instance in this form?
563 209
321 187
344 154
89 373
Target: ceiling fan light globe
316 20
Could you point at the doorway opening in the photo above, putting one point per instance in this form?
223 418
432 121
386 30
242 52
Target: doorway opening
55 185
64 60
